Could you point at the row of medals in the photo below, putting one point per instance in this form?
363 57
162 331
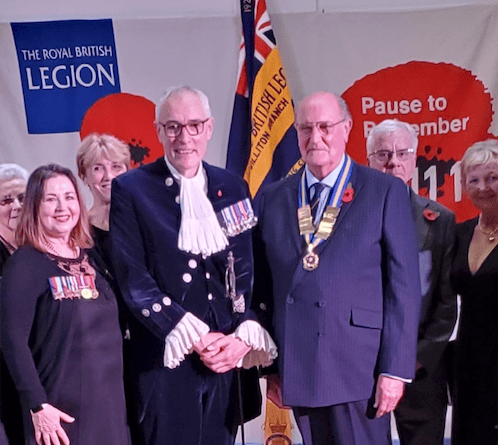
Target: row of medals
324 230
72 289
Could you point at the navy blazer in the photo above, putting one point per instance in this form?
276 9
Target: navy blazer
436 238
357 314
159 282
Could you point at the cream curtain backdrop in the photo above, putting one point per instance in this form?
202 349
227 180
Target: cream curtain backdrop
323 45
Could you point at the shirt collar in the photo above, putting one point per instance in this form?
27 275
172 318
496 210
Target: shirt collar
177 175
329 180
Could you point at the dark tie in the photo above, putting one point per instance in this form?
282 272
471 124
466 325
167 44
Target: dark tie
315 201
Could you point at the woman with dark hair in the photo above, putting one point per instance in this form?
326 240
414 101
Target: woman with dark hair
59 322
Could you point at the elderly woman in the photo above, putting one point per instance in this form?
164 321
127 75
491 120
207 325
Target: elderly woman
59 320
475 277
100 159
13 180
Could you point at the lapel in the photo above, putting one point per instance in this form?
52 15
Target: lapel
357 182
419 205
160 170
215 183
290 201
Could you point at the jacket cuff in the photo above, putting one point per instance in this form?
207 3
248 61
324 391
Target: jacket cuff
264 349
396 377
180 341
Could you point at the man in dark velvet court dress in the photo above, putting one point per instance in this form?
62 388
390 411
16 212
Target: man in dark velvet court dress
337 274
182 252
421 413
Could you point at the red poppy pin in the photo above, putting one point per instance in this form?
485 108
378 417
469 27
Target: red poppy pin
430 215
348 193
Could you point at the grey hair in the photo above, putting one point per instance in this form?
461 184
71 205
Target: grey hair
182 89
389 126
13 171
343 106
481 153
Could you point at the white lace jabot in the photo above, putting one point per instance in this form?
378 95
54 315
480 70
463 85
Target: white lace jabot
200 231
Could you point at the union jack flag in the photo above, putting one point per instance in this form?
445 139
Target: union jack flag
262 146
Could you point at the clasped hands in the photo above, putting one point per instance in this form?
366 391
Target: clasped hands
220 352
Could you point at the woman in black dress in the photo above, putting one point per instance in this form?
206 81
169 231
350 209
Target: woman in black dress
475 277
100 158
60 330
13 179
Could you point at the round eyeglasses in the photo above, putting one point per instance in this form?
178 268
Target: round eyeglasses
386 155
174 129
10 200
324 128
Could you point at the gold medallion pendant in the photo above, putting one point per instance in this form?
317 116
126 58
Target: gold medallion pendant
310 261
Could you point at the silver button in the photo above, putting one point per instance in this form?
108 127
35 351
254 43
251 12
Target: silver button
210 297
167 301
156 307
187 277
192 264
262 306
145 312
208 275
177 199
169 181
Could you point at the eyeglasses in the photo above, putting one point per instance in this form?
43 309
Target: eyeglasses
174 129
9 201
324 128
386 155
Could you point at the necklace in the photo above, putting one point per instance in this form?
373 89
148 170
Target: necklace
490 234
52 248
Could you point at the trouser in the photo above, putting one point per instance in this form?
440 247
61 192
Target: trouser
186 405
351 423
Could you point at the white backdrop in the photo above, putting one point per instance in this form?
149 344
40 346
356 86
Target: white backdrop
324 44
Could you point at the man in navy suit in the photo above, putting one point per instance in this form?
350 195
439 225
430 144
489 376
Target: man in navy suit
337 275
182 251
420 415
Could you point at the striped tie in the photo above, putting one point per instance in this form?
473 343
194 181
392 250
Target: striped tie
315 201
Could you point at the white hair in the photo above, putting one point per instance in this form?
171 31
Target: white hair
179 90
390 126
13 171
481 153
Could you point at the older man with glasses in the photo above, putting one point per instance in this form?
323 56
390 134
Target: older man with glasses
420 415
337 271
182 251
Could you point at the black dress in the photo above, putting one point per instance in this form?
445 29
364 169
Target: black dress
11 429
66 351
102 246
475 410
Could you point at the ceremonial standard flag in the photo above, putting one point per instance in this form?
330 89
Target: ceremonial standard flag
263 143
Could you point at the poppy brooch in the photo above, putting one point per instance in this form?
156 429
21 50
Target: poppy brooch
430 215
348 194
